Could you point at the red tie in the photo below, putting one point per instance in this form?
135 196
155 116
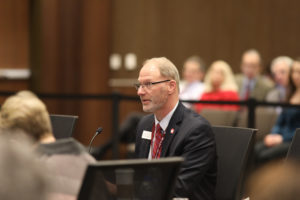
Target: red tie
157 143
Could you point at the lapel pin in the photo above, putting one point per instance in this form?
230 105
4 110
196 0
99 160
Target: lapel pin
172 131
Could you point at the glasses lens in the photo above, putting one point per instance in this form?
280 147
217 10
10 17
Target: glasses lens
137 86
148 85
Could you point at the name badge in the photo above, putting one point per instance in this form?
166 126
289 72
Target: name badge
147 135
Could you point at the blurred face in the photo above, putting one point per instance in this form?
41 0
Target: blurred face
296 74
281 73
217 76
155 97
191 72
250 65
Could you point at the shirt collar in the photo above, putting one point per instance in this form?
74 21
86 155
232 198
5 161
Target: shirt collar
165 121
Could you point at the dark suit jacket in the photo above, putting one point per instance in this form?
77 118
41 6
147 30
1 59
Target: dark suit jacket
192 139
261 88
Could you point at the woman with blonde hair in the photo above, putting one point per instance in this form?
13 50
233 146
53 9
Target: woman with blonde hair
220 85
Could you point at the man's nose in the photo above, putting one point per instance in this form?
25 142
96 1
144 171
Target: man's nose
141 91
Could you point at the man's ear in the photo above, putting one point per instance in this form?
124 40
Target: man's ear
172 87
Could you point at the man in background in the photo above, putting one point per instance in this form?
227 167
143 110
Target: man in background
251 83
280 68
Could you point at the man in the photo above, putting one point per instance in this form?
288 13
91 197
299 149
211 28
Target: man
280 68
192 87
250 82
174 130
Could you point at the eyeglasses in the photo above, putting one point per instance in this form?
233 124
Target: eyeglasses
148 85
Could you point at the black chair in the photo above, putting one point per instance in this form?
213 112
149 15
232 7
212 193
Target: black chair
63 125
219 117
294 150
234 149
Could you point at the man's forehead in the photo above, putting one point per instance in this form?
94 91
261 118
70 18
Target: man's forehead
149 70
251 58
281 66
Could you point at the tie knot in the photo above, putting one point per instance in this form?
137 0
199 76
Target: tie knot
158 128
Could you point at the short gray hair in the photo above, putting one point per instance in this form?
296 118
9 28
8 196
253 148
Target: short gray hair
282 59
167 68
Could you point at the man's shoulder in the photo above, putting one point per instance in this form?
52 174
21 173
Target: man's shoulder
265 82
145 121
147 118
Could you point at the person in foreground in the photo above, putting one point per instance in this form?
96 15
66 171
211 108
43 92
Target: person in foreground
174 130
65 159
22 175
275 181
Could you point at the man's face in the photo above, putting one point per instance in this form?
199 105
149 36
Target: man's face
281 73
191 72
250 65
155 97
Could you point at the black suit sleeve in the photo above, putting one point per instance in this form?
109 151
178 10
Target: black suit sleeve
199 152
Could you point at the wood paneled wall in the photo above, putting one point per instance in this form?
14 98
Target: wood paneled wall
212 29
14 42
71 40
14 34
70 48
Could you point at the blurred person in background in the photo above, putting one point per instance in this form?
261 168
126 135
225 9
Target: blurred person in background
280 69
275 145
66 159
250 83
275 181
220 85
192 87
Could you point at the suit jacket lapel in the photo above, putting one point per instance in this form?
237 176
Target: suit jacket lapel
145 144
172 129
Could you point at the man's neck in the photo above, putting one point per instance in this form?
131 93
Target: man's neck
160 114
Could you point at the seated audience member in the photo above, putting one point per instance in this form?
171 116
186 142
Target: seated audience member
22 176
66 159
219 86
250 82
280 68
275 181
276 144
191 87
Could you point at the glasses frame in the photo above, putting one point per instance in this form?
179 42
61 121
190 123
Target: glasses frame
149 84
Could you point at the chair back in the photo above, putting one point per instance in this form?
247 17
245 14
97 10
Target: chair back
234 146
63 125
219 117
265 118
294 150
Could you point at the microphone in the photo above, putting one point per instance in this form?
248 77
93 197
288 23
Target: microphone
98 131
